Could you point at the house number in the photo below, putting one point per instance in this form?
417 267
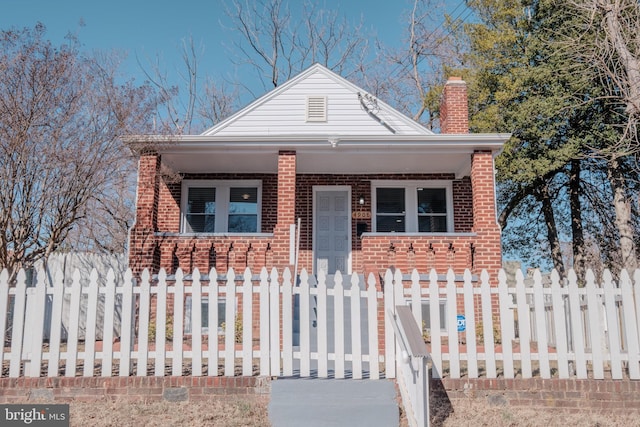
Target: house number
361 215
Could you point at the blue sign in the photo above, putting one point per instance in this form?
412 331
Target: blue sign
462 323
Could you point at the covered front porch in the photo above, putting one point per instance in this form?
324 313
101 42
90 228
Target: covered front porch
349 204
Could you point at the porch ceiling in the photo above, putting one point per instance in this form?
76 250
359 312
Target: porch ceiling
436 154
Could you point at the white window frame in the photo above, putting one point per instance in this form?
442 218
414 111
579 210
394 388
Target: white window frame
411 201
222 201
442 313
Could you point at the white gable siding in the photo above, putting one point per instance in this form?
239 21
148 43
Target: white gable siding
284 113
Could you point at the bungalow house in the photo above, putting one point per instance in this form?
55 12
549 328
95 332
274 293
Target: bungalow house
319 174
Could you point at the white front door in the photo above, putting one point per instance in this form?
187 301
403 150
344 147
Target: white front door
332 229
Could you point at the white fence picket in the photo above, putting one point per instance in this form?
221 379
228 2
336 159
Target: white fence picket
434 314
338 322
524 326
487 326
74 326
126 325
321 325
56 324
389 338
264 324
161 324
19 305
560 324
214 354
611 311
356 330
90 325
577 331
470 326
35 326
630 315
506 325
247 321
196 323
452 326
595 327
143 324
274 324
107 330
178 324
230 324
305 323
541 325
372 320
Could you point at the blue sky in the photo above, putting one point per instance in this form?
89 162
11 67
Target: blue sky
151 29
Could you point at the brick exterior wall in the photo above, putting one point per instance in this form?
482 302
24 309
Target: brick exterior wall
369 254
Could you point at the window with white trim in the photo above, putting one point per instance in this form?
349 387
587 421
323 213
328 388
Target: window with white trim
412 206
221 206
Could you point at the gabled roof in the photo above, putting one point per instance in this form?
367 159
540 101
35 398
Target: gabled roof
350 111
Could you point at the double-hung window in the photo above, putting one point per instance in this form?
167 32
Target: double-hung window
221 206
412 206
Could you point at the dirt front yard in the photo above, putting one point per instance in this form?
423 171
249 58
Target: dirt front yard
253 413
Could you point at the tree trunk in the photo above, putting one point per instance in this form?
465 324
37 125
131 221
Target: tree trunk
623 220
576 218
552 231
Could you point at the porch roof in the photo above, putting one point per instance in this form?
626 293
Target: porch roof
438 153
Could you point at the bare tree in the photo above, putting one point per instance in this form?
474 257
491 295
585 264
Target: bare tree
195 102
413 76
61 116
609 42
279 47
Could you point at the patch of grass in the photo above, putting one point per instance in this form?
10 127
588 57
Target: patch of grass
235 412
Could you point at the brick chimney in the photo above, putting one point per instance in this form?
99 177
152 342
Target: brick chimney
454 108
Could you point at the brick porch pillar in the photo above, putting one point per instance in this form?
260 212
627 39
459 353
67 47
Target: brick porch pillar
488 251
142 240
286 208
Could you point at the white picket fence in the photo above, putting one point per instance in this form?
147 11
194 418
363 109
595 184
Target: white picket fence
276 325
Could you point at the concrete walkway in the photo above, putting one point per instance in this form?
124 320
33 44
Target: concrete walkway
314 402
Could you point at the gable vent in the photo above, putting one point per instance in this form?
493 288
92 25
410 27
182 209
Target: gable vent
316 108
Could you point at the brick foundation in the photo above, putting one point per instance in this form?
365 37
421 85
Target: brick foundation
572 395
130 389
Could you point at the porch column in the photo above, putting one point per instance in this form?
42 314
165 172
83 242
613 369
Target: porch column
488 252
142 241
286 213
